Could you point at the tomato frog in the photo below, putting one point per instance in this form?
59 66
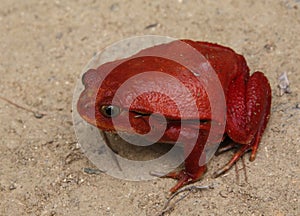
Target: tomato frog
247 101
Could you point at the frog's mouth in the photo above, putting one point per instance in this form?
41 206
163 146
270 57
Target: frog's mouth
86 107
139 114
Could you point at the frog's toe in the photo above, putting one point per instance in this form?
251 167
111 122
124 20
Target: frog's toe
185 177
175 175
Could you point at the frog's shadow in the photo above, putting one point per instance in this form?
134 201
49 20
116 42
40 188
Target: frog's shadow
136 152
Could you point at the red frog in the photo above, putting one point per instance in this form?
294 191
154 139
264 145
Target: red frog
247 100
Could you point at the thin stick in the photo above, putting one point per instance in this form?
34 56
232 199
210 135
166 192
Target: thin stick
167 207
237 174
35 113
245 170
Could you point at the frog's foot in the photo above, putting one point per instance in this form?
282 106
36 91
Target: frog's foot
234 159
185 177
245 148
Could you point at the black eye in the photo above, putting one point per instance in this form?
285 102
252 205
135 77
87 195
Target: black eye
110 110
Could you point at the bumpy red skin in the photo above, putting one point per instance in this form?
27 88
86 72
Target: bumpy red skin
248 100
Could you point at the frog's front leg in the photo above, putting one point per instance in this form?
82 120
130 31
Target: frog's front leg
192 171
248 111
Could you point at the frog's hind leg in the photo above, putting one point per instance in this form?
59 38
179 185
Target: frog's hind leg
248 111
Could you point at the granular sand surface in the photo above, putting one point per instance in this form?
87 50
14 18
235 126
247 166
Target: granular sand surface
45 45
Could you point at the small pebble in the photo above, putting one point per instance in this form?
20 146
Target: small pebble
284 84
59 35
38 115
114 7
223 194
269 47
12 186
52 213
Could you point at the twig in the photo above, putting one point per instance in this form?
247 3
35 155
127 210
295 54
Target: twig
237 173
167 207
245 170
35 113
153 25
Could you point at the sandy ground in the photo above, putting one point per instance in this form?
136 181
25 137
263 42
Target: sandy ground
44 46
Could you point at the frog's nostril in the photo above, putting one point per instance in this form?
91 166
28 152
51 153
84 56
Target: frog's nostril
84 103
87 105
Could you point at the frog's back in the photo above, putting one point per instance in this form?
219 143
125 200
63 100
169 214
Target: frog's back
225 61
159 79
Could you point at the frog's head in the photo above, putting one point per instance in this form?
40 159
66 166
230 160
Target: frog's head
99 106
94 104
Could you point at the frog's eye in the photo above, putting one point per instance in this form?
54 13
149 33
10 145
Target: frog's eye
110 110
